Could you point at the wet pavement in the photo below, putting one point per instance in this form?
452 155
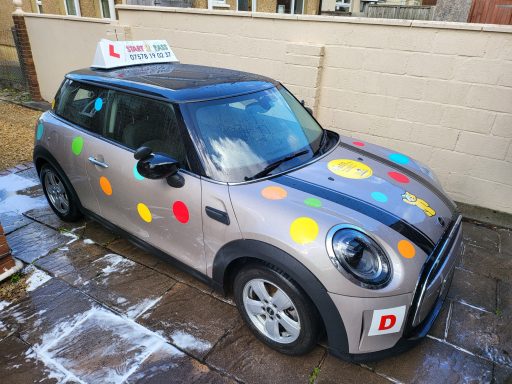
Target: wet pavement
99 309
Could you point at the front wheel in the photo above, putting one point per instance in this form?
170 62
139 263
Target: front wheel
276 309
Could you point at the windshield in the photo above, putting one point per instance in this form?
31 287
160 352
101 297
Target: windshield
245 136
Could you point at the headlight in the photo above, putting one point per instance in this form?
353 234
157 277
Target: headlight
359 257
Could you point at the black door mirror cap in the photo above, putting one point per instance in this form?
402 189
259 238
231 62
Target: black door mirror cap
142 153
157 166
176 180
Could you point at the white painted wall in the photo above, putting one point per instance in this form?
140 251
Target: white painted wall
439 92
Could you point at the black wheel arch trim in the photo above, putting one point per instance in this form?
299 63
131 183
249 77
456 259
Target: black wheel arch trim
41 153
238 249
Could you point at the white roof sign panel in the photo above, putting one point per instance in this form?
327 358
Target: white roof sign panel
113 54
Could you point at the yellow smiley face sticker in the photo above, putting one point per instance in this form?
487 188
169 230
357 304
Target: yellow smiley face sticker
350 169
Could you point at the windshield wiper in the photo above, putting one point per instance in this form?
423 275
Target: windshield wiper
269 168
322 141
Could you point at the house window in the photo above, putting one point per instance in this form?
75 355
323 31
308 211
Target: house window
290 6
343 5
246 5
107 9
217 3
72 7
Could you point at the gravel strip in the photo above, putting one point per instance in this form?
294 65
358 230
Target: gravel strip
16 134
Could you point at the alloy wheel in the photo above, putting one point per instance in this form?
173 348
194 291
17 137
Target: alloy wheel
56 192
271 311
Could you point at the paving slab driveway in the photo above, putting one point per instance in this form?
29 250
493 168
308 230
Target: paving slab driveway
99 309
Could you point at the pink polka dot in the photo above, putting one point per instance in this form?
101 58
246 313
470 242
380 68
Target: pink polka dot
399 177
358 143
180 211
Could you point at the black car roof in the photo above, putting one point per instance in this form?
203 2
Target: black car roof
177 82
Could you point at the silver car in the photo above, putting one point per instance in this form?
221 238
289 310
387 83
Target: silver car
225 173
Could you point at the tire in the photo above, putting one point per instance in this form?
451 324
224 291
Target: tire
288 323
59 193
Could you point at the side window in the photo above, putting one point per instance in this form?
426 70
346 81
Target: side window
137 121
82 104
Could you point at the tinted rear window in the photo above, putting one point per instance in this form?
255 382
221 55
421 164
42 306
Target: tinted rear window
83 105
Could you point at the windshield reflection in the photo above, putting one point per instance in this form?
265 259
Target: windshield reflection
243 135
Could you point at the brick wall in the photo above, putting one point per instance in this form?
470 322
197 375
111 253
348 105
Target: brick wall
90 8
55 7
6 10
266 6
25 57
439 92
200 4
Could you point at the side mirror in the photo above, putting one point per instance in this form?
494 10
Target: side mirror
310 111
156 166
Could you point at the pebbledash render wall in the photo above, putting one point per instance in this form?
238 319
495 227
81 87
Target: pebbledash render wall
439 92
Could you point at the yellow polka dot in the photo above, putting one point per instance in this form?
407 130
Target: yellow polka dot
350 169
144 212
274 193
406 249
304 230
105 186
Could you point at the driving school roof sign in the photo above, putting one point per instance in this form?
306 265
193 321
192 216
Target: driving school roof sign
112 54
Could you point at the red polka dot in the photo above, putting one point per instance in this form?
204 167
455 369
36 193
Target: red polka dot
358 143
398 177
180 211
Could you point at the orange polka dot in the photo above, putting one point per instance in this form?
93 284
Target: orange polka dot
274 193
105 186
406 249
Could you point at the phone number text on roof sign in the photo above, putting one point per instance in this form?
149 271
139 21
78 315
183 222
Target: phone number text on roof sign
113 54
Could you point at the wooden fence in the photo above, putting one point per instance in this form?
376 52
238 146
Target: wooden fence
491 12
400 12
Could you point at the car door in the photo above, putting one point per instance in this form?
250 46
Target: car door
69 132
167 218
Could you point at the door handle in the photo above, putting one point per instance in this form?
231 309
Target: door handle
97 162
215 214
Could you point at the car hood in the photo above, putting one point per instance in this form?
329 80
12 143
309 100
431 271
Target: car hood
380 191
384 185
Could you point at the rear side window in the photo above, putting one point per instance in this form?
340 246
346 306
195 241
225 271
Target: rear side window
83 105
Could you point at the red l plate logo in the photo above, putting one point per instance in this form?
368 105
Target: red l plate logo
111 51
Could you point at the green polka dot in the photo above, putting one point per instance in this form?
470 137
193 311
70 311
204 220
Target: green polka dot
312 202
77 145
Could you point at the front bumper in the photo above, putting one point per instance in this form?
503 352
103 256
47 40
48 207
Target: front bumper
421 307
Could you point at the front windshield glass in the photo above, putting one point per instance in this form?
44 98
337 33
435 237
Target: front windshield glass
247 136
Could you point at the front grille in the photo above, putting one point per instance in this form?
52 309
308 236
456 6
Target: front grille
431 269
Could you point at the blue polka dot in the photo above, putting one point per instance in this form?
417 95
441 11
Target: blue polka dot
40 130
380 197
136 173
399 158
98 104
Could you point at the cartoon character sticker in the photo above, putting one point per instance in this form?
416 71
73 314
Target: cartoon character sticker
409 198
